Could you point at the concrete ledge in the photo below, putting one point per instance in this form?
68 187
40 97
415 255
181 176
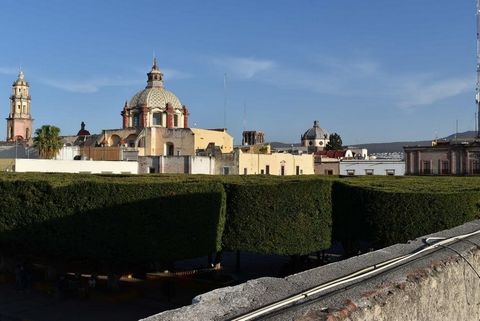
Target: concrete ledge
439 286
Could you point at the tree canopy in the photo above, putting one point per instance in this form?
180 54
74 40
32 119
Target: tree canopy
335 142
47 141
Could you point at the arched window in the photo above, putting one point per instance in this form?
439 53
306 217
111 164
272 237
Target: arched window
157 119
114 140
136 120
131 140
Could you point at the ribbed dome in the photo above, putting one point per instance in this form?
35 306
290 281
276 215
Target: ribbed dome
155 97
315 132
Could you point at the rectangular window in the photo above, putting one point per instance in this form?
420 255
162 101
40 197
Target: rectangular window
350 172
476 167
282 170
445 168
175 120
262 171
369 171
151 170
328 172
226 170
245 171
427 169
136 120
297 170
390 172
267 169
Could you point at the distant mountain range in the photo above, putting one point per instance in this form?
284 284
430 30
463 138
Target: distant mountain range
394 146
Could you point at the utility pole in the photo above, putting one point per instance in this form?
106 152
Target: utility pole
477 89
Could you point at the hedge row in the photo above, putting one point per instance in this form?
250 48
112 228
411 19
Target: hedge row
119 222
385 211
164 218
282 217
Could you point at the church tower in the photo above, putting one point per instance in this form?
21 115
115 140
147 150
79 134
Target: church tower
19 121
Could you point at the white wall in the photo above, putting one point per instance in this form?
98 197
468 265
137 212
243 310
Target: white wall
68 152
75 166
376 167
187 164
202 165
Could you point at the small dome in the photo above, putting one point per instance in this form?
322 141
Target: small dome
155 97
316 132
20 80
83 131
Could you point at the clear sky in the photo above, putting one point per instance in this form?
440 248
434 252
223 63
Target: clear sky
372 71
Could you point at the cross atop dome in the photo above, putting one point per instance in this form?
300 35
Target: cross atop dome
155 76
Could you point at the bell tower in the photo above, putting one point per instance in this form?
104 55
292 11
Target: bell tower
19 121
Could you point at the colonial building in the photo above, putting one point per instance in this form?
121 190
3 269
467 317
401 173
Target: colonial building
315 138
443 158
155 123
19 121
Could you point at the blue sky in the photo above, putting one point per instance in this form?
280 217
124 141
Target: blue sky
372 71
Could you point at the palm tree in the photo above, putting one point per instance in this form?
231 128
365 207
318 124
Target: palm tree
47 141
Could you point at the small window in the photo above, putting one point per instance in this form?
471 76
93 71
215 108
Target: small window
175 120
136 120
282 170
369 171
245 171
297 170
350 172
328 172
445 168
157 119
226 170
267 169
427 169
262 171
151 170
390 172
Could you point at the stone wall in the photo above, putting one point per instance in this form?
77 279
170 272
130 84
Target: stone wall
437 286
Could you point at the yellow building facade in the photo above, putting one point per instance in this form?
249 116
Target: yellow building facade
281 164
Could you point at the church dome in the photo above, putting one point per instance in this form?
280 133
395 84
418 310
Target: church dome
316 132
155 97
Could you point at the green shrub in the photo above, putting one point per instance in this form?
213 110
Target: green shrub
385 211
124 220
278 216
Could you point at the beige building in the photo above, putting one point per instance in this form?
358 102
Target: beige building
281 164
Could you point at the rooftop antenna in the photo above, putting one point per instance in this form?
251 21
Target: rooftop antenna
477 94
244 116
456 128
225 100
476 123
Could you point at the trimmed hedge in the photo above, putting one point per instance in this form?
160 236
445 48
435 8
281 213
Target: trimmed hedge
161 218
121 220
278 216
384 211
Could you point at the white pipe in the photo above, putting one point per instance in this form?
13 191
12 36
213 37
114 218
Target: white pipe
350 277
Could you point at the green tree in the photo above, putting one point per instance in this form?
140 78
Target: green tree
47 141
335 142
